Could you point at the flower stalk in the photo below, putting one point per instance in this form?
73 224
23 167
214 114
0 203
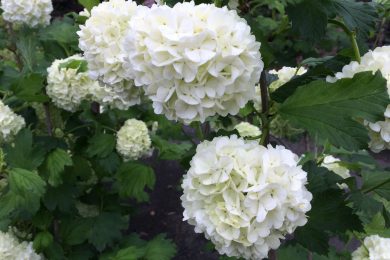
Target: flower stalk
351 35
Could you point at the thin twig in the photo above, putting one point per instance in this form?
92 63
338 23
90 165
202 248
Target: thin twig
49 132
48 123
188 137
18 60
272 254
264 103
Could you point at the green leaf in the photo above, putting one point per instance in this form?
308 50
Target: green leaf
328 213
23 183
364 203
52 50
81 167
28 50
358 15
81 252
4 224
377 227
385 3
55 252
106 230
23 154
64 33
51 142
7 76
63 196
160 249
54 164
328 108
310 17
168 150
319 178
101 145
134 176
131 253
26 88
11 201
42 219
110 163
42 240
373 179
291 252
80 65
265 49
246 110
186 159
75 232
285 91
89 4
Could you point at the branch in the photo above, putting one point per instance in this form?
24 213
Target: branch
264 106
18 60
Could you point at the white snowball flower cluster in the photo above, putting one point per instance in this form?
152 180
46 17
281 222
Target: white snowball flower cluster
10 124
133 140
379 59
331 163
193 61
30 12
11 249
66 87
247 129
244 196
379 248
102 39
279 127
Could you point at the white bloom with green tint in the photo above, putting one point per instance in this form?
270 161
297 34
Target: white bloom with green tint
133 140
10 124
193 61
244 196
66 87
32 13
378 249
102 39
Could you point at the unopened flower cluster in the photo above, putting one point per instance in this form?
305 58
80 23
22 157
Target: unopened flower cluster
10 124
379 248
193 61
133 140
66 87
247 129
330 162
379 59
279 127
29 12
11 249
102 39
244 196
